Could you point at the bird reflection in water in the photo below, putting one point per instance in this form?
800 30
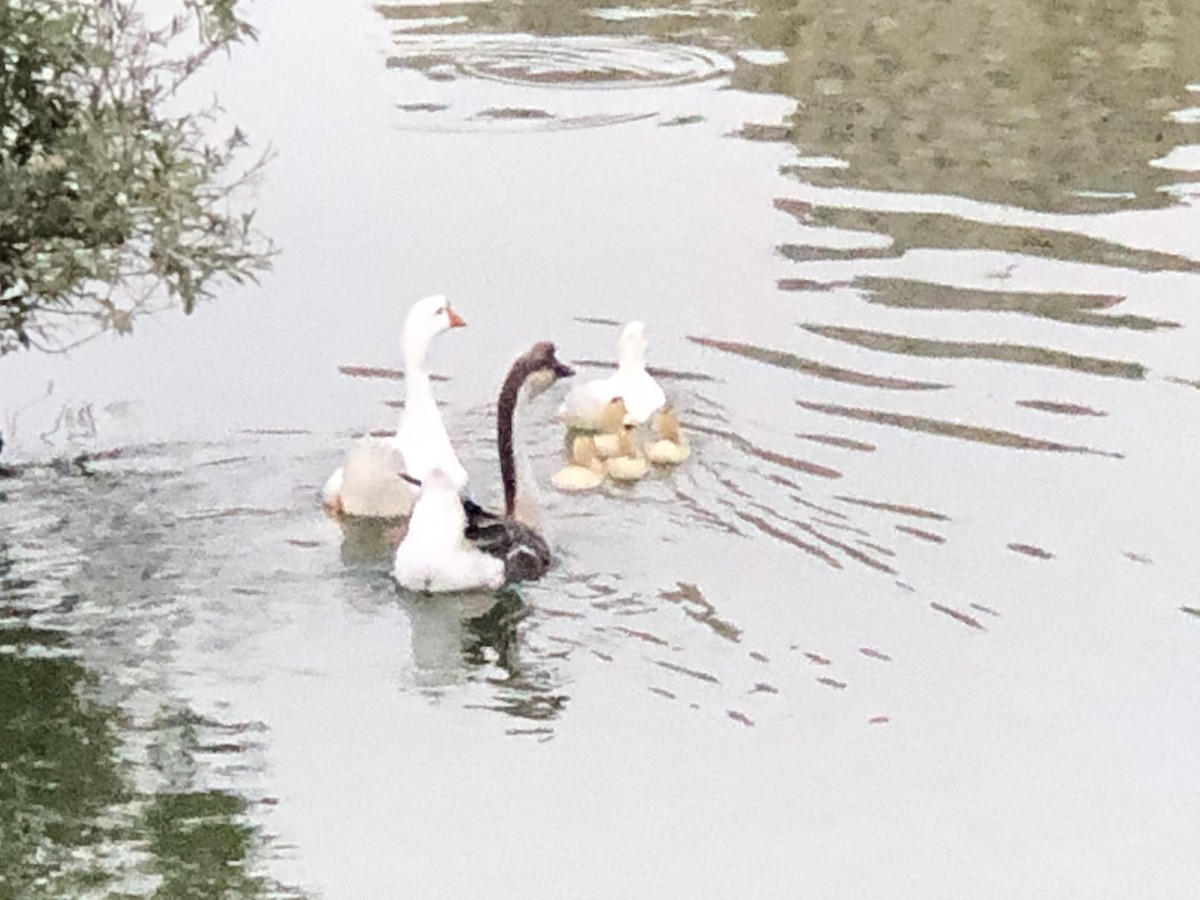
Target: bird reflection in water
370 541
455 636
458 638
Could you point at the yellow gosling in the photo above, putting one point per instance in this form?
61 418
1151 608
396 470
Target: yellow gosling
613 420
629 464
584 472
671 448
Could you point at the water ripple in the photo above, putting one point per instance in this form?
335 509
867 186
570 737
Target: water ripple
976 433
559 62
784 359
982 350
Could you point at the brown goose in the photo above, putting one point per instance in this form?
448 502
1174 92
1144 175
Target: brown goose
524 553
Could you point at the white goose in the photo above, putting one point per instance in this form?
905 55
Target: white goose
584 405
435 556
369 482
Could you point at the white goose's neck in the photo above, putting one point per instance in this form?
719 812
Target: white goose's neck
417 388
415 350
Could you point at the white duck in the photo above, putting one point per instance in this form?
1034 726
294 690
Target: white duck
584 405
435 556
369 482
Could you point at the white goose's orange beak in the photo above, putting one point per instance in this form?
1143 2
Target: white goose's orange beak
456 321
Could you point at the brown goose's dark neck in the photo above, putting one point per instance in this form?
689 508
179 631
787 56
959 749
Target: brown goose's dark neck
506 410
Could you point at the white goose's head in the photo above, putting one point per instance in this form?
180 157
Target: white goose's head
426 320
631 346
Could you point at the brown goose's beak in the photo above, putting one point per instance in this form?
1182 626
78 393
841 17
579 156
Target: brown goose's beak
456 321
562 370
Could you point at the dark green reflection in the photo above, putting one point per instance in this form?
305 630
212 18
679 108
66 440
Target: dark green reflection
1025 102
200 846
57 769
74 822
70 823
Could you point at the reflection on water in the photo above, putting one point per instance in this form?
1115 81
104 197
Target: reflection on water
558 62
1075 309
1059 107
907 230
60 773
111 785
552 50
1029 356
475 637
788 360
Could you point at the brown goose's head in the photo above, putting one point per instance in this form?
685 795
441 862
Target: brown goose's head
538 368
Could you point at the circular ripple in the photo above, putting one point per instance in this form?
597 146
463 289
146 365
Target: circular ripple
573 62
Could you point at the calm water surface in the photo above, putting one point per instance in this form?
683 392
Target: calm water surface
918 619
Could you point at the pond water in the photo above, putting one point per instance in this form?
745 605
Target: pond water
918 618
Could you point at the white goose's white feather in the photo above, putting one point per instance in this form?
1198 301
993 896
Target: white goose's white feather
434 556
